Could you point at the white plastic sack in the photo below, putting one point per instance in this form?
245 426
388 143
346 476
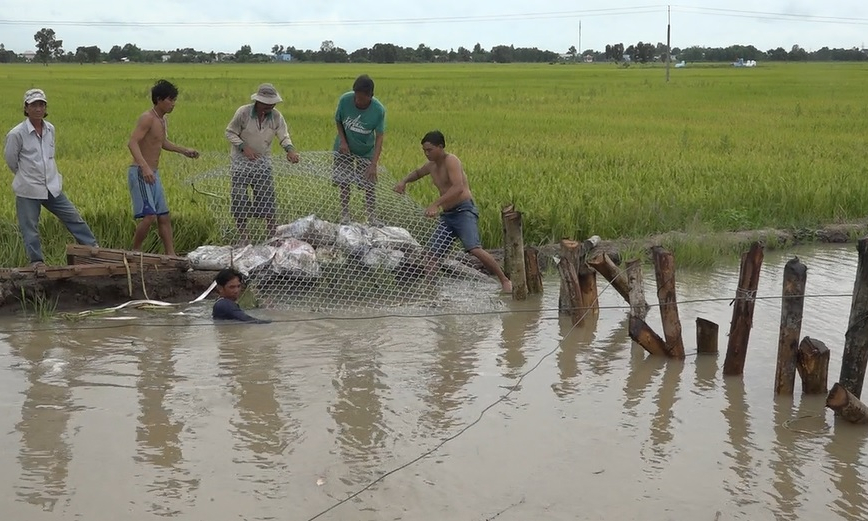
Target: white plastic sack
295 257
383 258
254 257
353 239
330 255
214 257
311 230
393 238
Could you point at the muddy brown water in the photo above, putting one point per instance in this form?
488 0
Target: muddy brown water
173 417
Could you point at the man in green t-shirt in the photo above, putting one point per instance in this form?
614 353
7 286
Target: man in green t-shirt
361 123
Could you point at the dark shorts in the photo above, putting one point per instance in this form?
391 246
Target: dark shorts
257 178
462 223
350 169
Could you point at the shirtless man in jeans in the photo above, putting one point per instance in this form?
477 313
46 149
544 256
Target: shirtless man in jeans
460 217
149 138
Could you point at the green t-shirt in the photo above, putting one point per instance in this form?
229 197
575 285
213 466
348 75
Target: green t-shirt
360 126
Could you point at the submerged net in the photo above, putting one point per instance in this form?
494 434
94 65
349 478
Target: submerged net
284 226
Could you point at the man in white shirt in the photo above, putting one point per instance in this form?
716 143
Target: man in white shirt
29 152
251 132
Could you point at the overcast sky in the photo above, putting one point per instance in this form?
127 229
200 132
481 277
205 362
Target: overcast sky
222 25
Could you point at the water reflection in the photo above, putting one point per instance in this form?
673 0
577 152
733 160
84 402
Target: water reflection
843 449
264 430
661 423
573 340
516 329
788 460
45 452
158 432
456 355
742 448
361 431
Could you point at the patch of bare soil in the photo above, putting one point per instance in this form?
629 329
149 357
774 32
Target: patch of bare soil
78 293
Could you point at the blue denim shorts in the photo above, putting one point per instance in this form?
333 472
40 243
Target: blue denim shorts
460 222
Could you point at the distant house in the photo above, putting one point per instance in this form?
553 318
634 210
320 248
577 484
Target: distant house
588 58
283 57
166 57
28 55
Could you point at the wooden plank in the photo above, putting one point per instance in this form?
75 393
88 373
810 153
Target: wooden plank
75 270
80 254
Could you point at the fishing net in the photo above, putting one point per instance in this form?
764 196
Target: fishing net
286 228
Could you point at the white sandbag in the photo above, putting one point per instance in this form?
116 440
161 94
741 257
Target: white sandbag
311 230
383 258
253 258
353 239
295 258
393 238
214 257
330 255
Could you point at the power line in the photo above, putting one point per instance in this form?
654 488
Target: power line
764 15
615 11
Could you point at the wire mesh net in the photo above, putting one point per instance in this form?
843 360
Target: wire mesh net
324 234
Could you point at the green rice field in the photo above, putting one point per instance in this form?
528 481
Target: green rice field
580 149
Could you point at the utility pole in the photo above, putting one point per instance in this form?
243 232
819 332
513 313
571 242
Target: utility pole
668 34
579 50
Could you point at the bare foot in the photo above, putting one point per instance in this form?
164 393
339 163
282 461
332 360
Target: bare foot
506 286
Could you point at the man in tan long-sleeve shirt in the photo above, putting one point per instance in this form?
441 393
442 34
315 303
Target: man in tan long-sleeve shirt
251 131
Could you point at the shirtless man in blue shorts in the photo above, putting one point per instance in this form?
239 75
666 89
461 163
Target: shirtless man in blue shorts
149 138
460 218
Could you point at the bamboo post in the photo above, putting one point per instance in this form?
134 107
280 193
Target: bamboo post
792 308
856 338
706 336
605 267
742 311
570 301
638 305
531 270
642 334
588 278
664 271
813 364
514 251
846 405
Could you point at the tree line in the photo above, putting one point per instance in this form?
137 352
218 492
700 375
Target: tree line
50 49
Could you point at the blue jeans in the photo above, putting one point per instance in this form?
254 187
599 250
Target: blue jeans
460 222
28 222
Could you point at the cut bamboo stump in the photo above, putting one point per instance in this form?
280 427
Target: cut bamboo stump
664 271
588 277
570 300
513 251
531 270
706 336
813 365
792 309
742 312
846 405
611 272
642 334
638 305
855 354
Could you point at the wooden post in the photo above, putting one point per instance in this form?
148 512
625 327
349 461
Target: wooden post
570 301
638 305
514 251
642 334
605 267
813 364
588 278
742 310
792 308
846 405
856 337
664 271
706 336
531 269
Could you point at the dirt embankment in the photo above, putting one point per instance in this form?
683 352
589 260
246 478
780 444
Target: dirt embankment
80 293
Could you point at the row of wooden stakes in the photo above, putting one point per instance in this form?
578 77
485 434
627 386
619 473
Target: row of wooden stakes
578 266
